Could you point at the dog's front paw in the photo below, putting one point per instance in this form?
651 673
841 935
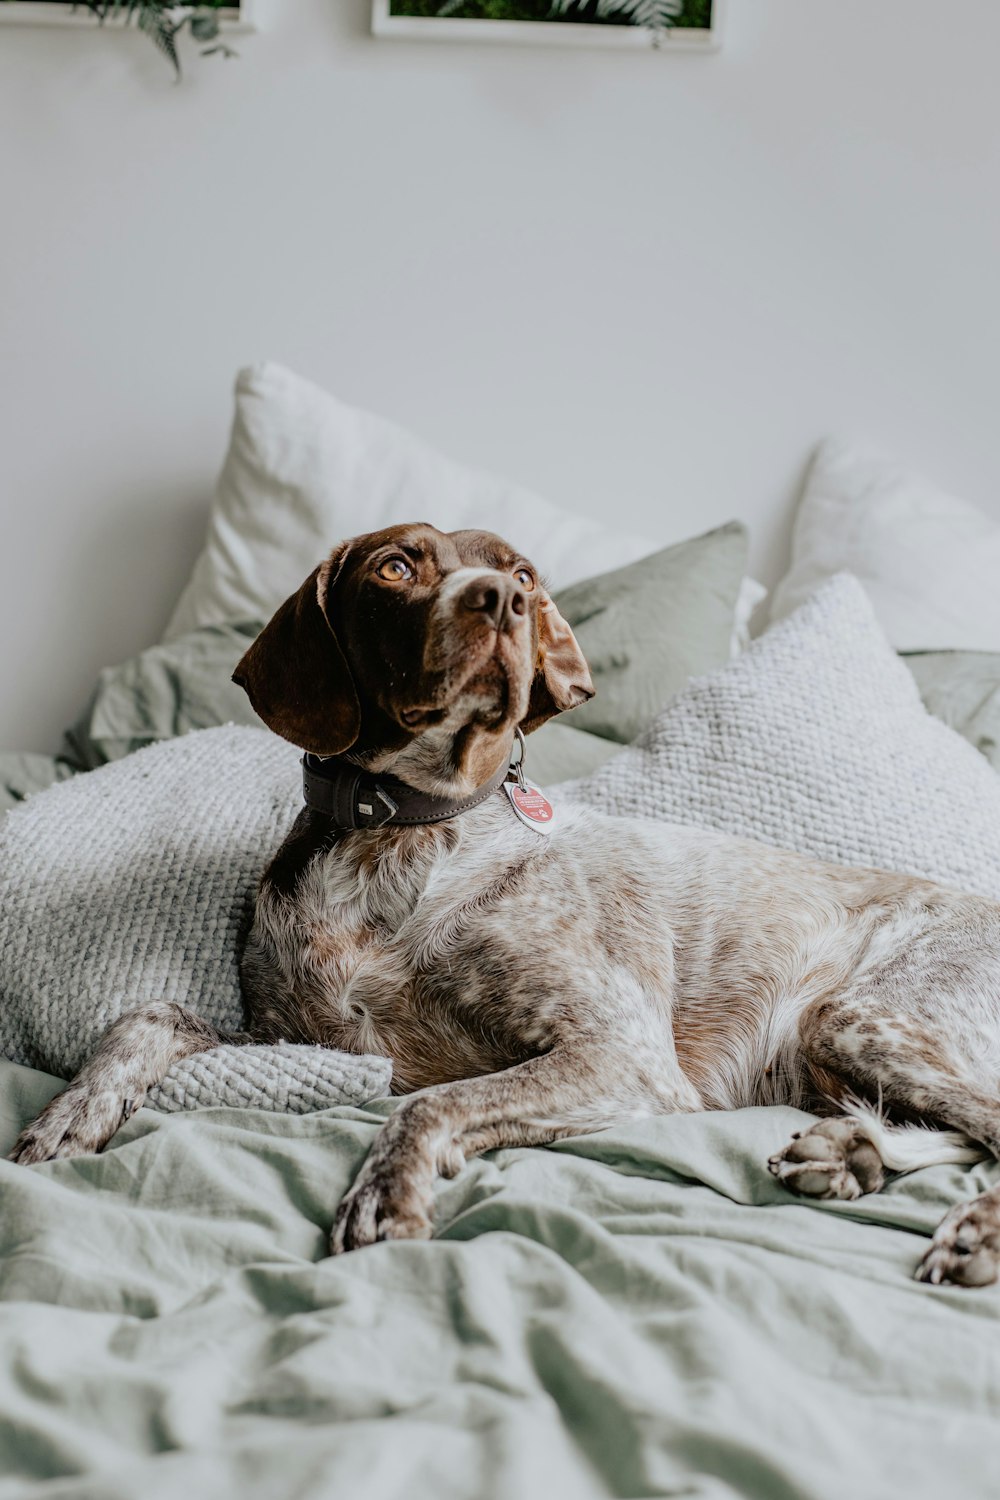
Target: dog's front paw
833 1159
77 1122
383 1204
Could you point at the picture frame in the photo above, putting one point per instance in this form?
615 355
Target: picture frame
390 20
239 17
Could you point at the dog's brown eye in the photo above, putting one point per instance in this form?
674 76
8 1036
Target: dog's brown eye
525 578
395 570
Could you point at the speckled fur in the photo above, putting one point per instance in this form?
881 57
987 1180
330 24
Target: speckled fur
529 988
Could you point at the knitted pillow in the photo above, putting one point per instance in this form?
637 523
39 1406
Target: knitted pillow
816 740
136 883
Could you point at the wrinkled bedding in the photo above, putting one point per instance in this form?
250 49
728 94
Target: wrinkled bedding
641 1312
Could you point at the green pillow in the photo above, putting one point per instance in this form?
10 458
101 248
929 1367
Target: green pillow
171 688
21 775
647 628
963 689
644 629
165 691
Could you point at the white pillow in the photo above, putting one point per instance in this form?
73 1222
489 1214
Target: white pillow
305 470
751 595
815 739
929 561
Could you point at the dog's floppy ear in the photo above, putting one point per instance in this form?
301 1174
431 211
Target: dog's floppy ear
296 675
562 678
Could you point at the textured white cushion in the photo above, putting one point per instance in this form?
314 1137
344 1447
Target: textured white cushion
288 1077
816 739
305 470
136 883
929 562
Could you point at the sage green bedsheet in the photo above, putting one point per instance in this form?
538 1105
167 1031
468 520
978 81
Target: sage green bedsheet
641 1312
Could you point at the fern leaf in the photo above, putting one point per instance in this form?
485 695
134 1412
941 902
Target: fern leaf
657 15
162 32
163 21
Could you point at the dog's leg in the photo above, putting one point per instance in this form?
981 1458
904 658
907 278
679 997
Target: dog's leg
564 1092
934 1055
135 1053
890 1043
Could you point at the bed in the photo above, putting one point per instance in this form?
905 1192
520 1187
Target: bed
641 1312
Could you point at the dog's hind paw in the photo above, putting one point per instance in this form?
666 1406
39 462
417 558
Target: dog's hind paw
965 1250
833 1159
76 1122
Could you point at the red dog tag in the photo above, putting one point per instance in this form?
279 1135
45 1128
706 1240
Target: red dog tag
531 805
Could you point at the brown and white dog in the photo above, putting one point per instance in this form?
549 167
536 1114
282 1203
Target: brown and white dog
529 987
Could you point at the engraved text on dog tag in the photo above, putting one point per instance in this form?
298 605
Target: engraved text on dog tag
531 805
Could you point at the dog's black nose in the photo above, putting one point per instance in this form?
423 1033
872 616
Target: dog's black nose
500 599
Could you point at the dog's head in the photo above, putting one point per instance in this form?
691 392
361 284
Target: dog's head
419 651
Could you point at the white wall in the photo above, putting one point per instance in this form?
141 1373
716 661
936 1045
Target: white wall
644 285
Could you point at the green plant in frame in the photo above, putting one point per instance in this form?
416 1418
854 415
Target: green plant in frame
164 22
654 15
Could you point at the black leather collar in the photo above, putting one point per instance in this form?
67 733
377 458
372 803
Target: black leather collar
353 798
